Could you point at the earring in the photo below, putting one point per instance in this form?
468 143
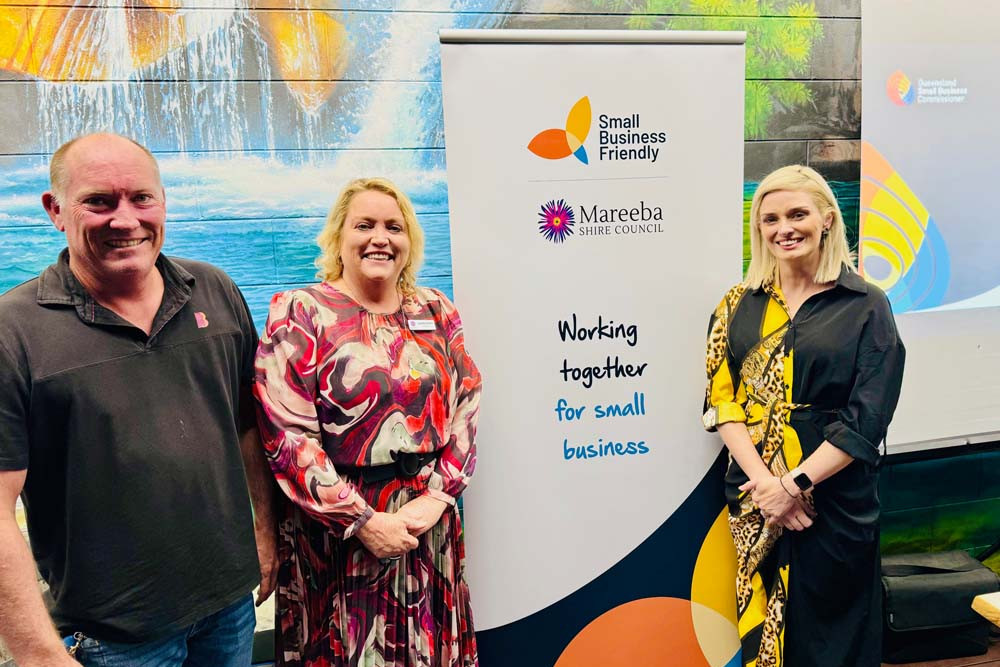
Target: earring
826 232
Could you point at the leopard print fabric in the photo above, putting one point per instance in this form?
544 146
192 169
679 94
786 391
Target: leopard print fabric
762 376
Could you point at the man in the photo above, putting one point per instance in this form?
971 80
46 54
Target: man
124 403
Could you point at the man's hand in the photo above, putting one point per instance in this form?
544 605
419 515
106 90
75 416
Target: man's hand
422 513
267 556
387 535
264 498
24 622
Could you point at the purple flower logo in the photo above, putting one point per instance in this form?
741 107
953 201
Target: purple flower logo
555 221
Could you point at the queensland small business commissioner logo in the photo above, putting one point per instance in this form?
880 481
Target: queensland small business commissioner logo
900 89
558 220
620 138
904 92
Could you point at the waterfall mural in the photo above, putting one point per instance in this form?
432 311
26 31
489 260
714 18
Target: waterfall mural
258 113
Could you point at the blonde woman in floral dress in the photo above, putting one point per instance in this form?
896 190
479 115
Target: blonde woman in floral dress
368 404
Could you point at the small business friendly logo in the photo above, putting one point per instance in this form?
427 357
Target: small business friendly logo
555 220
621 137
901 92
555 144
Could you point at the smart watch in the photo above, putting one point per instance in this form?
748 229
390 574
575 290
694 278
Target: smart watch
801 479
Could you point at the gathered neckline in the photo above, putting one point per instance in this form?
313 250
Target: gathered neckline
404 299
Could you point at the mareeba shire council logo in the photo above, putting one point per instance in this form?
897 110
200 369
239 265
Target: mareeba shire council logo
900 90
555 220
555 143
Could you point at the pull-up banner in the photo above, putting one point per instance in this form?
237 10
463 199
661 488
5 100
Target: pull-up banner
595 193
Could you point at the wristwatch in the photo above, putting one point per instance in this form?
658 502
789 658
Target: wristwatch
801 479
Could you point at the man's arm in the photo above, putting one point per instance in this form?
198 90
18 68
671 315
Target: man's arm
261 484
24 621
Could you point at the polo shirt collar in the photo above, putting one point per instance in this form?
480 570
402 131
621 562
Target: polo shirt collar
58 286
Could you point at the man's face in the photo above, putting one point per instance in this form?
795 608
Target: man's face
112 210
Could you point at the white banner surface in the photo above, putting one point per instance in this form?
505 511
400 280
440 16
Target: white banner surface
595 199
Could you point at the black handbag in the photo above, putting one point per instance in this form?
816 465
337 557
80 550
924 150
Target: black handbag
927 610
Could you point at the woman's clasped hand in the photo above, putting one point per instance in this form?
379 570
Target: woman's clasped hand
778 505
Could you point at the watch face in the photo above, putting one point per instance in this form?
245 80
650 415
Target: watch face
802 481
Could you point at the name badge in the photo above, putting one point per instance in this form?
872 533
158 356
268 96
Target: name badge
420 325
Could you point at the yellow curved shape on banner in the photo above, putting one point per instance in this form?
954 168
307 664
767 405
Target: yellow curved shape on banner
578 123
892 208
877 227
883 250
713 594
903 191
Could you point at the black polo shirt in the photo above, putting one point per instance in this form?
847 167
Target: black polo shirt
136 498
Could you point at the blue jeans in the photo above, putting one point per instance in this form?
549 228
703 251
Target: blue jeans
224 639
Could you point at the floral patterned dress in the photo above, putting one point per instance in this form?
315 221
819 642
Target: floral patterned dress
339 390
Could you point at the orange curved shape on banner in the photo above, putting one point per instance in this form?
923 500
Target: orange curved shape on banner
651 631
551 144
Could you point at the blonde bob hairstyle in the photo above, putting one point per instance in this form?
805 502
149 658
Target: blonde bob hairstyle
330 265
834 250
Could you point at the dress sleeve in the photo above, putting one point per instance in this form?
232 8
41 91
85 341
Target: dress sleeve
457 461
861 426
285 388
725 396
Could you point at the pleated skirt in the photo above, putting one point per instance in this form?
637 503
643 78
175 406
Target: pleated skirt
340 606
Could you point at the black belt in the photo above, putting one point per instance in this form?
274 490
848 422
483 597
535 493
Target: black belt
406 465
808 412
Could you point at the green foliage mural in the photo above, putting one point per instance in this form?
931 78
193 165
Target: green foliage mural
780 41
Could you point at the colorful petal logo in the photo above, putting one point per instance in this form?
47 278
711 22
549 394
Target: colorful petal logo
899 89
555 144
555 221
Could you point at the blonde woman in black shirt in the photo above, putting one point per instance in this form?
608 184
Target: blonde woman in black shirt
804 367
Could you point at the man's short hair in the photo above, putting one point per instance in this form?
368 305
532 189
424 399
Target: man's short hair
57 166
